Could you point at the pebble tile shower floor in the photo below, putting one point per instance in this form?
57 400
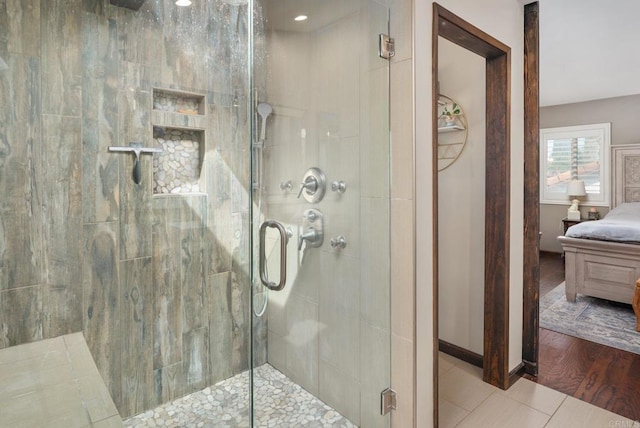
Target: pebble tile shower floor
278 403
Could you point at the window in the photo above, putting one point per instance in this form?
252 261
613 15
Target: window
575 153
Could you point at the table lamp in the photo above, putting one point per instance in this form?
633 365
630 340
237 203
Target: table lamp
575 189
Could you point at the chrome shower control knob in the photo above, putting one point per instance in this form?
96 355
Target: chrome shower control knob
339 186
286 186
338 242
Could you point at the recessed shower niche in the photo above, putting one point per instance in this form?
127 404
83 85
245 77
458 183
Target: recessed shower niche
178 102
178 119
177 169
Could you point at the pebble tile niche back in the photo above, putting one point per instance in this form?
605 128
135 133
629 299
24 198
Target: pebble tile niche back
177 169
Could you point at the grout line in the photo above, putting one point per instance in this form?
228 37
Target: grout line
556 411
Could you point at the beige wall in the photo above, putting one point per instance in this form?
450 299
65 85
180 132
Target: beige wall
403 369
461 204
503 19
621 112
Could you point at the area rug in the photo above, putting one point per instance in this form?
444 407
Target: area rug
596 320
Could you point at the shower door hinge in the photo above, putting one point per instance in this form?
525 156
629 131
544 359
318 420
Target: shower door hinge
386 46
387 401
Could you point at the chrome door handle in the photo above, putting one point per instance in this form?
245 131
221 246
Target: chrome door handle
283 255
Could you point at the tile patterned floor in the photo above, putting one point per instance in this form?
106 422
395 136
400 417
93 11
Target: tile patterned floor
54 383
279 403
465 401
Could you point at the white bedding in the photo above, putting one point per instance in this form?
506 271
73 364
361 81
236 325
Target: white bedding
621 224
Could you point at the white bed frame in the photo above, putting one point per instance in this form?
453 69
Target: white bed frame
608 270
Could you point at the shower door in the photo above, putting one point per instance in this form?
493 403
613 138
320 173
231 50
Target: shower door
320 213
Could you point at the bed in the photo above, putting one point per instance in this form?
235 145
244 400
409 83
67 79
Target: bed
603 263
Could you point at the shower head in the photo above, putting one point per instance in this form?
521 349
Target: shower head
264 110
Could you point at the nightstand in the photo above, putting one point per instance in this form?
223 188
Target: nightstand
566 223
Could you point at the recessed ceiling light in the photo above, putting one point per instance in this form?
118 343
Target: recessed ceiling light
300 18
183 3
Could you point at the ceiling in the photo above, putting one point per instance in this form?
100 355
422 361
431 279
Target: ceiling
280 13
589 49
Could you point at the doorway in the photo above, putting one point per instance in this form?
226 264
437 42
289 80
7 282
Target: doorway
497 185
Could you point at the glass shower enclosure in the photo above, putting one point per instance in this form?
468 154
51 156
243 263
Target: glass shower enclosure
203 191
321 207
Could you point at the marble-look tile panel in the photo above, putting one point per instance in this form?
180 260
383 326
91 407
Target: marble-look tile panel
102 301
339 340
167 290
137 343
375 269
340 391
303 330
61 57
99 118
374 20
374 133
20 316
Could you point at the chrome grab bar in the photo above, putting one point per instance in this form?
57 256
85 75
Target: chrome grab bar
283 255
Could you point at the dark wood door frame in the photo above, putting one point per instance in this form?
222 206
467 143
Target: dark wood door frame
531 268
497 185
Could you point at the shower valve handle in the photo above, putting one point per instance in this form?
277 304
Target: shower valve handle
311 235
310 184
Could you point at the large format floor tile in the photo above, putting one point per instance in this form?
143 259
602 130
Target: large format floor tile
574 413
466 401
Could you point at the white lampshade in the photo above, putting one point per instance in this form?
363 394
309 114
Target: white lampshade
576 188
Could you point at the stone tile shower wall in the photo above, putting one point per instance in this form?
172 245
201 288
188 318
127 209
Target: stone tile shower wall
158 283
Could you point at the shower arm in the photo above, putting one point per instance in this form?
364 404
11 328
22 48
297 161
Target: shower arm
137 149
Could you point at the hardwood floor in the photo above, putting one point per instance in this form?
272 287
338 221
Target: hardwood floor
605 377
